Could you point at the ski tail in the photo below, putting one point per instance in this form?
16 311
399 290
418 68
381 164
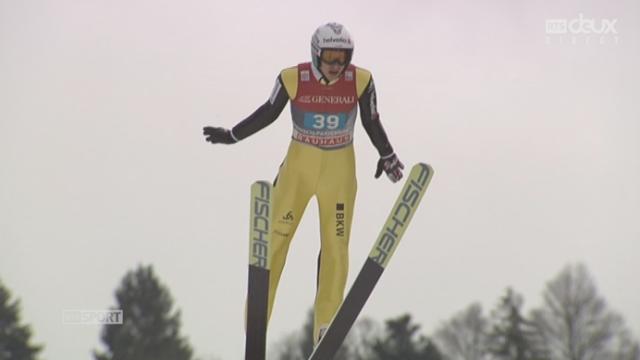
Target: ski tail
259 266
383 249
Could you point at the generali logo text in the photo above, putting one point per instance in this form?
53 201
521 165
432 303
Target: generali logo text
327 99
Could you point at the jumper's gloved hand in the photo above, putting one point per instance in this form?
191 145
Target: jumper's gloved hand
218 135
392 166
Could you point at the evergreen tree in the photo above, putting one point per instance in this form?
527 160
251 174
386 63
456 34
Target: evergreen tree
401 342
150 330
512 336
15 339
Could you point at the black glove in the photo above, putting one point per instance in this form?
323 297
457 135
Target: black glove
392 166
218 135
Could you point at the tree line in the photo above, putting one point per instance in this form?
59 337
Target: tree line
574 322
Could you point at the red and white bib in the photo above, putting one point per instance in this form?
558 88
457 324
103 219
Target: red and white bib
324 115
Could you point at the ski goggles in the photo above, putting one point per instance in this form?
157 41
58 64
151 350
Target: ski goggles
334 57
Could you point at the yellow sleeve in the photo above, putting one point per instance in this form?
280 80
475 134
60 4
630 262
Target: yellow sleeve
363 77
289 78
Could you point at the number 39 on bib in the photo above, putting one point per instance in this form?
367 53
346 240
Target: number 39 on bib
324 121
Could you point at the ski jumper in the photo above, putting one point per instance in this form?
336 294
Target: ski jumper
320 161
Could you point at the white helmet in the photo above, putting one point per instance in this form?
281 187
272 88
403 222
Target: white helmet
330 36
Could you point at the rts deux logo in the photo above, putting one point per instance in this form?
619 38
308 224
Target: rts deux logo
581 29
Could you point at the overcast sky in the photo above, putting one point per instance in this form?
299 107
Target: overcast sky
534 138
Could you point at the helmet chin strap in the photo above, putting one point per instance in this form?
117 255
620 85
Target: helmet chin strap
324 77
319 72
